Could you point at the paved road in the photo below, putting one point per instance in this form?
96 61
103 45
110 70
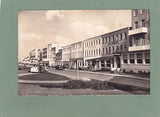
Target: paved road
111 78
80 74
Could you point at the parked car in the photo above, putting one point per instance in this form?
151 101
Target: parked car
37 68
59 67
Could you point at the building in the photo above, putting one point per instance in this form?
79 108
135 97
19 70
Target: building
26 60
77 55
44 56
138 57
114 44
59 58
49 54
35 56
93 52
66 54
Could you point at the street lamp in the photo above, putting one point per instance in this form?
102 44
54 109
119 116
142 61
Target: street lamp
77 67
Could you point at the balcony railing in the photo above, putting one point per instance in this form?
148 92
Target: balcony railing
139 48
138 31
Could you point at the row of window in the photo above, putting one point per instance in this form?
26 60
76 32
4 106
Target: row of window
77 45
136 12
139 58
93 42
121 48
92 52
114 38
142 23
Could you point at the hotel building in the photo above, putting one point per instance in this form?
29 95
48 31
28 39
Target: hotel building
138 57
77 55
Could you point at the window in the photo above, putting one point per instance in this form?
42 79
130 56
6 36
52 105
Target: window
139 58
117 48
106 39
99 41
106 50
102 63
94 51
91 43
131 57
121 47
147 58
112 49
135 12
142 11
96 42
109 39
125 35
125 47
103 40
109 50
103 51
143 23
136 25
125 58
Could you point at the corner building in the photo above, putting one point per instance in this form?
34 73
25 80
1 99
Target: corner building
137 59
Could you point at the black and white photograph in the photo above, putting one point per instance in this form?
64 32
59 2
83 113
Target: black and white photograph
84 52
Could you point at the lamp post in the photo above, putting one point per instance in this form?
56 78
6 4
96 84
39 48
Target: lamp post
77 67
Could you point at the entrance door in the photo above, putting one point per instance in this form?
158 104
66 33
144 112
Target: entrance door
118 62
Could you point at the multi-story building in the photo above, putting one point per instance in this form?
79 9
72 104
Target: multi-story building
77 55
59 58
35 56
138 57
93 52
66 54
26 60
51 53
44 56
113 45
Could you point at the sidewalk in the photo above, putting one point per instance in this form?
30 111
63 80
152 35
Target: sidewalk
113 74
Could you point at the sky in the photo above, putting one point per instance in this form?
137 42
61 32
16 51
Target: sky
37 28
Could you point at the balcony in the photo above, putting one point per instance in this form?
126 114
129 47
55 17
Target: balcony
138 31
139 48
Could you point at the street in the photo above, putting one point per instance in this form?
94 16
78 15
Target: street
114 78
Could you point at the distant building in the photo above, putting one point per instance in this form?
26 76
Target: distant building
52 50
26 60
44 56
93 52
138 57
35 56
59 58
77 55
66 54
49 54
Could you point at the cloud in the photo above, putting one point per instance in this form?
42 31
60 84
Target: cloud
88 29
29 36
50 15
